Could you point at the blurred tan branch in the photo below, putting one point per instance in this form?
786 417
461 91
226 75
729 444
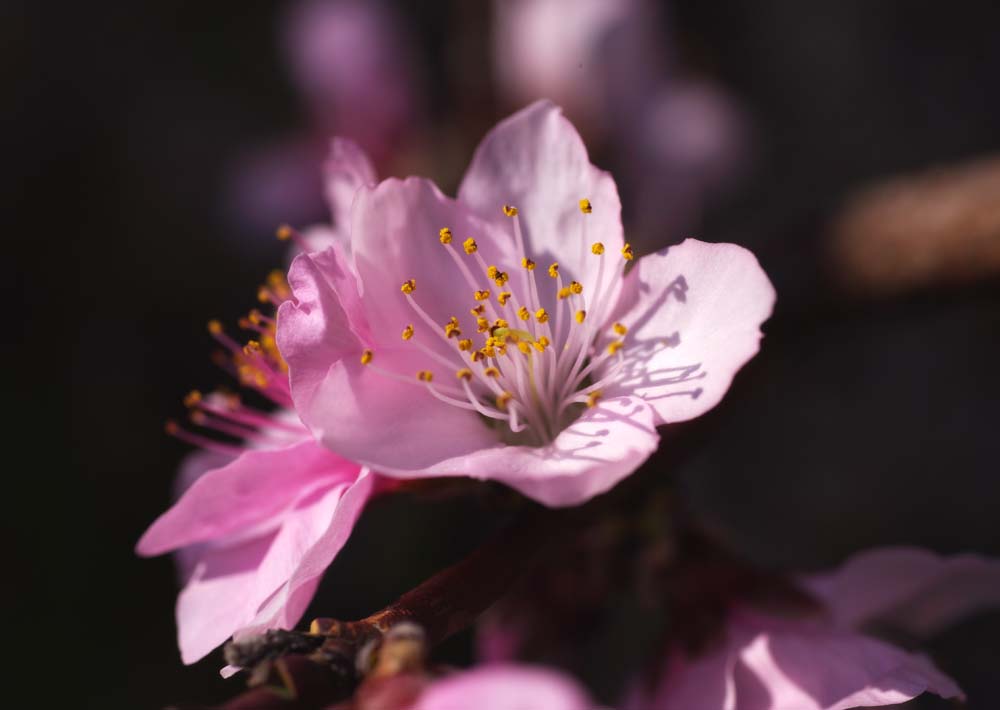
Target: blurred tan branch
937 228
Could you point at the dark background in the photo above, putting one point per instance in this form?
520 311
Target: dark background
863 421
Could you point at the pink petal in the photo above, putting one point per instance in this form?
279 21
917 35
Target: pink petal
267 581
915 589
395 236
766 663
694 313
505 687
536 161
591 455
253 489
346 169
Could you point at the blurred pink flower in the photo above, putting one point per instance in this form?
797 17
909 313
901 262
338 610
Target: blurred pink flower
256 525
505 687
771 662
551 380
355 69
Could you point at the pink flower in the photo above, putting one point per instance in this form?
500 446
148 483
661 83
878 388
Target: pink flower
768 662
466 337
505 687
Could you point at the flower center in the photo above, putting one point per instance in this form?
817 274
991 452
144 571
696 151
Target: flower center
515 363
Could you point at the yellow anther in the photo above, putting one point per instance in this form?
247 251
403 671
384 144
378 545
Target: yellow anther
263 295
171 427
592 398
528 264
251 348
627 252
575 287
478 310
445 235
554 269
255 317
585 206
491 341
542 315
597 248
503 297
408 332
500 323
563 293
580 316
192 399
539 347
214 327
491 372
510 210
409 286
501 278
523 313
284 233
366 357
470 246
524 347
464 344
451 330
425 375
476 356
488 351
544 342
492 271
614 347
276 279
482 325
503 399
464 374
481 295
501 350
619 328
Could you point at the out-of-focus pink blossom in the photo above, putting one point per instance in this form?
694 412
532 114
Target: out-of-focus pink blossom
551 380
825 662
505 687
358 76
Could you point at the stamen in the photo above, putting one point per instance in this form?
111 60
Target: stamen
478 310
614 347
580 316
575 287
592 398
503 297
528 264
491 372
597 248
286 232
554 269
503 399
523 313
627 252
510 210
500 278
619 328
444 235
541 315
409 286
481 295
585 206
366 357
465 344
470 246
425 376
408 332
464 374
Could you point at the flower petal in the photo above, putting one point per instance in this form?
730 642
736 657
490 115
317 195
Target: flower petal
603 446
505 687
267 581
347 168
368 417
254 488
693 313
816 668
917 590
536 161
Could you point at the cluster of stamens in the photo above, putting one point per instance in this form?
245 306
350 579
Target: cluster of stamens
531 369
257 365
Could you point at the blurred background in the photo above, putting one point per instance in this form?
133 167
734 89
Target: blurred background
152 148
